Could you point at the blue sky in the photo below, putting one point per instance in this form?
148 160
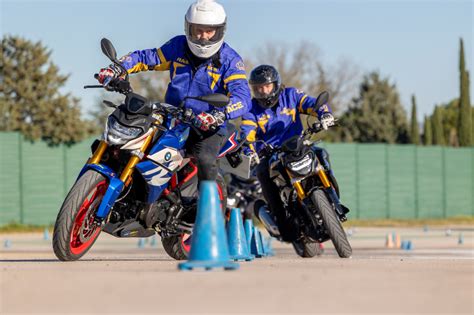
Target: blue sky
415 43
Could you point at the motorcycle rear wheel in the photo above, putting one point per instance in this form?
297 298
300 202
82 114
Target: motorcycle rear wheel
307 249
75 230
332 224
179 246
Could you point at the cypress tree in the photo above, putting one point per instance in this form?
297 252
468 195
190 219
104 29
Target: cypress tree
437 125
465 115
414 129
427 132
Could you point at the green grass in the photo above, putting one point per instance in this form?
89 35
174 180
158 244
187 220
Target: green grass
24 228
464 220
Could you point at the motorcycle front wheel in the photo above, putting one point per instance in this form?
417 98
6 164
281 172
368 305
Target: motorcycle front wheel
332 224
75 230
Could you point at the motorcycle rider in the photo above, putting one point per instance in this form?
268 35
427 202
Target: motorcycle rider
275 117
199 63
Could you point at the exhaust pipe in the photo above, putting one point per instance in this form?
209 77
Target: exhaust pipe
264 216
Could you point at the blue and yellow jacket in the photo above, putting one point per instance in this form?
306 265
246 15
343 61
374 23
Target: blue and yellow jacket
225 75
283 121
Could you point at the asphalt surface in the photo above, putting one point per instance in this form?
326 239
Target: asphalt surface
118 276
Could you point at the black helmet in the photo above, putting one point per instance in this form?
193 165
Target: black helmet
261 75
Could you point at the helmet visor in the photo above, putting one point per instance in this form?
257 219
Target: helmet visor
205 34
263 90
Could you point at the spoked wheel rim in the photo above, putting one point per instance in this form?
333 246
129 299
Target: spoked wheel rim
187 238
84 231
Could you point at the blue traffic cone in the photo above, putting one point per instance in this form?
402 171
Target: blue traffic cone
238 247
268 246
209 242
248 226
409 246
262 243
141 243
403 245
46 234
256 244
7 243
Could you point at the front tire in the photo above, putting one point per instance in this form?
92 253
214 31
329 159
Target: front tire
75 230
332 224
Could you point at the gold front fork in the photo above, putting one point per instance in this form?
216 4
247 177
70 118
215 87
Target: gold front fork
299 189
324 178
138 155
95 158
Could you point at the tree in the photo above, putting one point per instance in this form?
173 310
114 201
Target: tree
427 132
437 126
30 100
376 114
449 120
414 128
465 115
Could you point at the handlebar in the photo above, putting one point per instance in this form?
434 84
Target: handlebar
115 85
270 150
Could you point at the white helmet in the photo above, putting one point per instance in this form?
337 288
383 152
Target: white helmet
208 13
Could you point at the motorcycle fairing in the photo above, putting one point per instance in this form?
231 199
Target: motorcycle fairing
162 160
230 145
233 142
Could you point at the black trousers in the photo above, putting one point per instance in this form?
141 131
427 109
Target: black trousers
271 194
205 149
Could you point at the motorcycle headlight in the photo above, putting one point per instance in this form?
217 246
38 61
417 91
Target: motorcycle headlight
116 133
303 166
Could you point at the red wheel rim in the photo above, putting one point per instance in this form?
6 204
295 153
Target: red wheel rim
186 242
186 238
85 231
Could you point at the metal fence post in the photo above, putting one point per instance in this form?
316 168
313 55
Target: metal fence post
357 180
64 170
20 178
387 183
443 180
415 191
472 181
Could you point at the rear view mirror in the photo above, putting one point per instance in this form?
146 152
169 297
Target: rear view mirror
108 49
322 99
216 99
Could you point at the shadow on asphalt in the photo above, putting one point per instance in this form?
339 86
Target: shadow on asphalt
88 260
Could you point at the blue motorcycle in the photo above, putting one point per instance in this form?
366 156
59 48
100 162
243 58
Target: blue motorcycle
138 181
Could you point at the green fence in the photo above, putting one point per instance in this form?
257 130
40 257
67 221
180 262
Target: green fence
376 180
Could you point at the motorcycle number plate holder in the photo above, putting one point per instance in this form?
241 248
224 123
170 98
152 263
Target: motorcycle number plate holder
242 170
